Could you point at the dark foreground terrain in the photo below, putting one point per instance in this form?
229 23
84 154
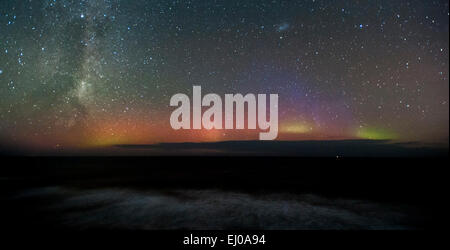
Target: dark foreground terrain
220 193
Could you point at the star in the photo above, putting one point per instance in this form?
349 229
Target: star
80 71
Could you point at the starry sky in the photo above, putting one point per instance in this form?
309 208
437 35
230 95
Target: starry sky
89 73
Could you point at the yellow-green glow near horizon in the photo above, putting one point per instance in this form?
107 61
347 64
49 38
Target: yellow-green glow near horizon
376 134
82 74
296 128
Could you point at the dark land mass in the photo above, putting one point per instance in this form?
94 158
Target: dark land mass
332 148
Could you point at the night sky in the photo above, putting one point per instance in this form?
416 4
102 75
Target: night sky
97 73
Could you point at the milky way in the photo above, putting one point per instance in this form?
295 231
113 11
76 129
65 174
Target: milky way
90 73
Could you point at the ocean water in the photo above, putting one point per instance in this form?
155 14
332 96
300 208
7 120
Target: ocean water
149 209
